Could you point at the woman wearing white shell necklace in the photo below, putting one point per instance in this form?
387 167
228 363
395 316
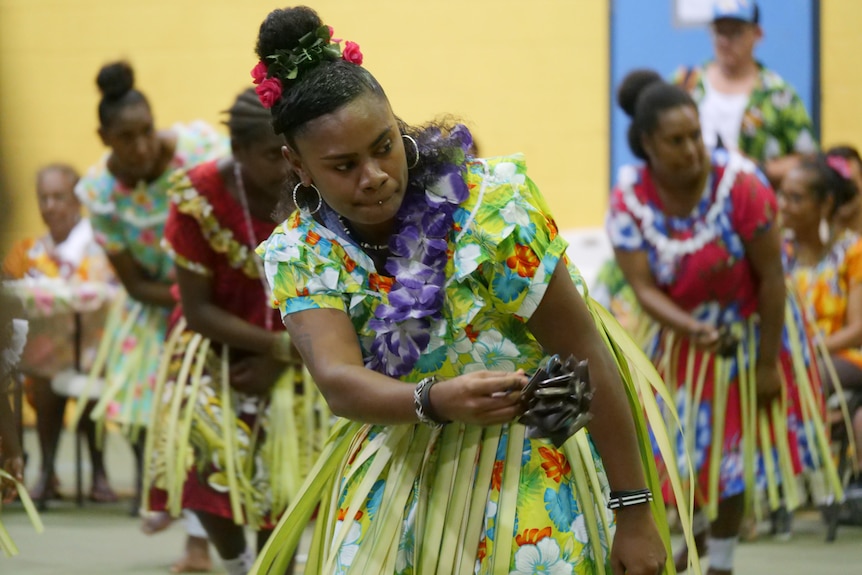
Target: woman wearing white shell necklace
696 238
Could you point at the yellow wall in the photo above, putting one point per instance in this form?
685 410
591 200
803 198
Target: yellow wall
527 76
841 76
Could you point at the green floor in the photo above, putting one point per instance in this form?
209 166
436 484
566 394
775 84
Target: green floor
103 539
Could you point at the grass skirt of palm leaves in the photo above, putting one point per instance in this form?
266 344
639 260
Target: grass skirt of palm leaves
783 448
258 450
7 546
127 360
447 473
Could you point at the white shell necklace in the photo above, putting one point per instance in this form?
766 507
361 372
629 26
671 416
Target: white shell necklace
258 263
670 249
364 245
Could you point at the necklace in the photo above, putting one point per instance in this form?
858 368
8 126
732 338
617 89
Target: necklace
364 245
258 263
403 325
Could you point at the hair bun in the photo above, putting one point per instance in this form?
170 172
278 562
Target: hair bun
282 29
633 86
115 79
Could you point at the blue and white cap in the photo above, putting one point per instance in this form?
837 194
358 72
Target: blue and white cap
743 10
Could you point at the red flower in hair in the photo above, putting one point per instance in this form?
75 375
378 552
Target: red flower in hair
331 34
269 91
352 53
258 73
840 165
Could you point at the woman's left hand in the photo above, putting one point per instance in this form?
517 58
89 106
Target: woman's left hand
768 382
256 374
638 548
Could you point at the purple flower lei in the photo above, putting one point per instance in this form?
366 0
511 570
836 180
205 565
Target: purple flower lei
417 264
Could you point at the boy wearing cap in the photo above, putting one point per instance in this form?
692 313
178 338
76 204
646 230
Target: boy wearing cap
744 105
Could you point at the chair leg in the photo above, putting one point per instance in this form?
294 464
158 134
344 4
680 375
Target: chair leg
79 468
80 434
18 411
832 512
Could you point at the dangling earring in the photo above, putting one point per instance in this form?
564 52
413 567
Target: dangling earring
415 147
305 208
824 231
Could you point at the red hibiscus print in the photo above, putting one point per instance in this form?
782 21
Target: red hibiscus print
532 536
524 262
555 464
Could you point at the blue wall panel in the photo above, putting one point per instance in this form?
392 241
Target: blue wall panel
643 34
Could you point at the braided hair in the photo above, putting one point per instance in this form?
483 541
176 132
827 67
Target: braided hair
247 119
116 81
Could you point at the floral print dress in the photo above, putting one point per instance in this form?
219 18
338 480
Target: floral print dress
700 262
132 220
825 286
464 498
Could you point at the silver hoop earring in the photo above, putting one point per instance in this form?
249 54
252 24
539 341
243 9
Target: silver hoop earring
415 147
305 208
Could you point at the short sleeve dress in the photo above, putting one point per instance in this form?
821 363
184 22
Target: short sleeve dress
407 499
208 233
700 262
132 220
775 122
825 286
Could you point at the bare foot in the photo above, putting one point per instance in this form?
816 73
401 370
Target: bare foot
748 530
156 521
101 491
680 560
196 558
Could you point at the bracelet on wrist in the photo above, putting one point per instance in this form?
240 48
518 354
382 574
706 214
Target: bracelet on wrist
422 403
282 348
620 499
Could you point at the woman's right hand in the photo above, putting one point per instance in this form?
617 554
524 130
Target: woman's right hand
705 337
480 397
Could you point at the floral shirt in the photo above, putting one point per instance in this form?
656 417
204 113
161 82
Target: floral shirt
53 281
775 122
78 259
133 219
825 286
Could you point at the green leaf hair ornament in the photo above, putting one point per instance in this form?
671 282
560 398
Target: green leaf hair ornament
286 65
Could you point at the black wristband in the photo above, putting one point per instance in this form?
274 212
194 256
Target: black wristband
620 499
